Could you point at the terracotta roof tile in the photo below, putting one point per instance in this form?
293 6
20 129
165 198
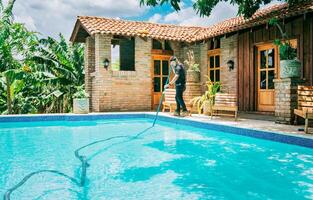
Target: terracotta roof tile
262 16
94 25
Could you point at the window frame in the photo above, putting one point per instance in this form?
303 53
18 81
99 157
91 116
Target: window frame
116 41
214 53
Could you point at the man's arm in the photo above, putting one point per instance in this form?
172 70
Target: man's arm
174 79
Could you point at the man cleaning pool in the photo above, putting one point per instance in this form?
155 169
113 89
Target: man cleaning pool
180 84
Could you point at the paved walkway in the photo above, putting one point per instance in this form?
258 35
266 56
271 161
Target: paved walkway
259 122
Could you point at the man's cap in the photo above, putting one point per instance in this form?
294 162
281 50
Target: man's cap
173 58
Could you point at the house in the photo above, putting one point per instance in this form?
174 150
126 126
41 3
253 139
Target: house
138 54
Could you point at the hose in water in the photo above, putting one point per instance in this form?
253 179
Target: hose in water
83 159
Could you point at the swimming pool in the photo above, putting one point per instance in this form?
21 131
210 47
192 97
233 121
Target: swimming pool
173 160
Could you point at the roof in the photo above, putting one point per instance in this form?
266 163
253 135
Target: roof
89 25
94 25
262 16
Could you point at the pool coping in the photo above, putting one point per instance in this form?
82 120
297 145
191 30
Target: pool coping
289 138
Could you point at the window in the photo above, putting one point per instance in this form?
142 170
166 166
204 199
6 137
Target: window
167 45
123 54
214 65
115 57
156 44
161 45
214 44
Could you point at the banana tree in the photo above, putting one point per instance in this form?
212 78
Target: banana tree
62 64
16 46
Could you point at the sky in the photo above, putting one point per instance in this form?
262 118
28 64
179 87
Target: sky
51 17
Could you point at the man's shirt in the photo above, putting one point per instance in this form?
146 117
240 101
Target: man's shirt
180 71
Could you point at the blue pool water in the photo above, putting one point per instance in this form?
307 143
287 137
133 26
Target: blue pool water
167 162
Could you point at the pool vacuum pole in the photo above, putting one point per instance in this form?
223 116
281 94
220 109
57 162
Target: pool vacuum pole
161 99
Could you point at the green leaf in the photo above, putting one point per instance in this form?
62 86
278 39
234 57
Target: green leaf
57 93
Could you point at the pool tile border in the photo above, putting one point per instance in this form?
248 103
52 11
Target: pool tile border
267 135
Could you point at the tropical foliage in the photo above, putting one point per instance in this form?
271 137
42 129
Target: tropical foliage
286 51
208 97
81 93
204 7
36 75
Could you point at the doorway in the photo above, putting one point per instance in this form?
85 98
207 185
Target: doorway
267 69
160 71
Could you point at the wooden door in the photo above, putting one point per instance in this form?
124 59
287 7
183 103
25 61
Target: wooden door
160 71
267 68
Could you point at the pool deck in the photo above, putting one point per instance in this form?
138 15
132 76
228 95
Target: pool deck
259 122
256 124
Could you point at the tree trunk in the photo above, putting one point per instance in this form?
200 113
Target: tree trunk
9 100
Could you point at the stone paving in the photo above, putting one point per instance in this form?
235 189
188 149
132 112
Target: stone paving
257 124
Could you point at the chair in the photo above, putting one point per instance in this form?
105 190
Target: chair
169 100
305 105
225 102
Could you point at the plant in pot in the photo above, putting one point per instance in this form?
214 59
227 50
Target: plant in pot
206 101
81 101
193 70
289 64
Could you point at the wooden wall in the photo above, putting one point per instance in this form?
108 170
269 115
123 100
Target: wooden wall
300 28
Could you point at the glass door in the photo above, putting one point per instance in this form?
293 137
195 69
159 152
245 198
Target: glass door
267 70
160 66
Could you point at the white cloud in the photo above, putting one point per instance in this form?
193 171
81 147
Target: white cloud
155 18
27 20
50 17
188 16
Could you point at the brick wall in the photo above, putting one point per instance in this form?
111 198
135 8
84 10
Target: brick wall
229 49
131 90
119 90
89 64
286 99
102 82
203 65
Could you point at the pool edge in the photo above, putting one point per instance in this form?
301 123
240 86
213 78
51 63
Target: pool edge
287 138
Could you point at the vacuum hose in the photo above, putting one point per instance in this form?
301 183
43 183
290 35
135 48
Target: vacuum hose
83 159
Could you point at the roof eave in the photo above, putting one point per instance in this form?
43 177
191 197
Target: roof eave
78 26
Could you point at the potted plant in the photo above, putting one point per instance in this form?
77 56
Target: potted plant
289 64
206 101
81 101
193 70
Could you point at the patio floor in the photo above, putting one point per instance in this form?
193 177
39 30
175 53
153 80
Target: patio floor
253 121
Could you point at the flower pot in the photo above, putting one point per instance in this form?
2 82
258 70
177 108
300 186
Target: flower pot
81 106
290 68
207 108
193 76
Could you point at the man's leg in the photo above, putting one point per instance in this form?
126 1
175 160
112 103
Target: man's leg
177 101
180 99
